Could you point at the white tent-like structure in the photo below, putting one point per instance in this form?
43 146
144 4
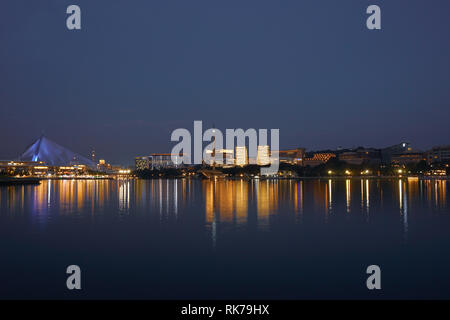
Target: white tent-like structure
43 149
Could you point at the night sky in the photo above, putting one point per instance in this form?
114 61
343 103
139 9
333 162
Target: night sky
140 69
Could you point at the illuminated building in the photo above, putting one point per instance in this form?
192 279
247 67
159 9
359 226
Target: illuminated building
69 170
407 157
387 153
436 172
157 161
164 160
361 155
40 169
401 153
45 158
24 168
227 156
119 170
142 163
263 157
222 157
241 158
52 154
293 156
103 166
287 174
318 158
440 154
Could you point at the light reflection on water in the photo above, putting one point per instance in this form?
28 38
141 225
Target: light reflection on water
223 201
223 206
172 232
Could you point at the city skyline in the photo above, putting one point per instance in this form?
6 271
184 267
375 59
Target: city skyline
36 147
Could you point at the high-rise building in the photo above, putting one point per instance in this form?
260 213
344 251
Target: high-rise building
263 156
241 157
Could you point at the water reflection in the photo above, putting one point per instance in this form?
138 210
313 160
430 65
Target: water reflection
403 203
124 195
367 195
170 233
237 203
348 192
299 195
227 200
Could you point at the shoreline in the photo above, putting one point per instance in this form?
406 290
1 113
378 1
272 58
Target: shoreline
308 178
37 180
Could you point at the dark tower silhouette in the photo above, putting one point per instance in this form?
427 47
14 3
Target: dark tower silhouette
93 155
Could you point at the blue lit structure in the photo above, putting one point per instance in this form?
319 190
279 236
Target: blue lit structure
43 149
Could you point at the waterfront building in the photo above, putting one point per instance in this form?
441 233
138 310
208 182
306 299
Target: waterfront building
407 157
387 153
439 154
263 156
401 154
293 156
361 156
103 166
436 172
157 161
223 157
24 168
45 157
241 157
318 158
52 154
40 169
287 174
142 163
164 160
71 171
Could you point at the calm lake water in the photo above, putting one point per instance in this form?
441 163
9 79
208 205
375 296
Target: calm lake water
189 239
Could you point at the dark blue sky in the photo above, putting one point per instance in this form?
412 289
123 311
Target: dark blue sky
139 69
